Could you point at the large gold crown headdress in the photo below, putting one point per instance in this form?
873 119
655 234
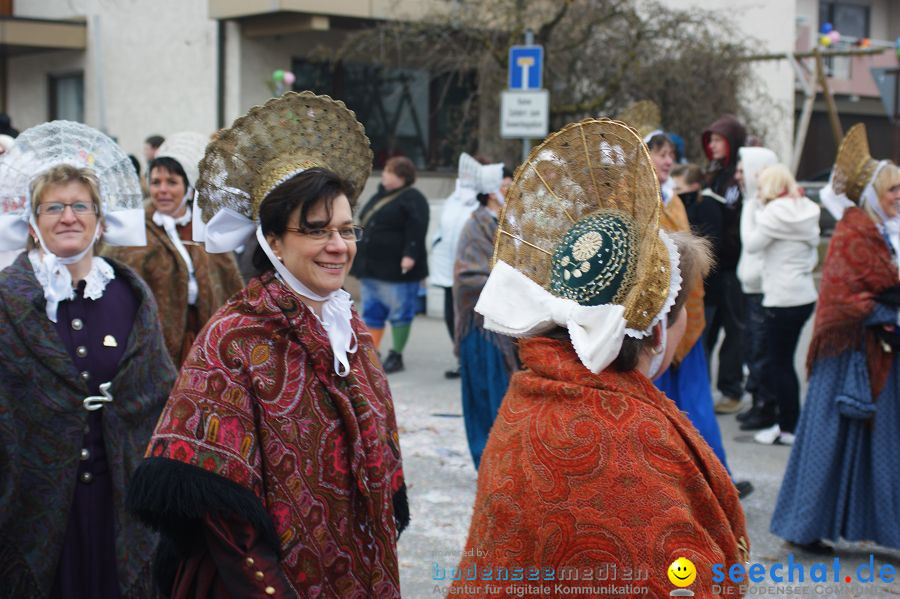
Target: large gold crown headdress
272 143
643 116
854 167
582 221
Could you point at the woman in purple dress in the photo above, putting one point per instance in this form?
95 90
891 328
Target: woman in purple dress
84 370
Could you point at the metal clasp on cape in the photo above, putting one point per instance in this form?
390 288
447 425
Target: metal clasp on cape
95 402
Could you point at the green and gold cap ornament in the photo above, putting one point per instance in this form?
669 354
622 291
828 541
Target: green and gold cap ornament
579 244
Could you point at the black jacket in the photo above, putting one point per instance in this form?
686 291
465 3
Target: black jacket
395 230
705 216
720 178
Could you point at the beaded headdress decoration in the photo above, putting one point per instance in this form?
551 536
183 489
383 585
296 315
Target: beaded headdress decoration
644 116
274 142
853 175
44 146
581 222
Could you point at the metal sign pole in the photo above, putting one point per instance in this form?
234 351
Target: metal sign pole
526 143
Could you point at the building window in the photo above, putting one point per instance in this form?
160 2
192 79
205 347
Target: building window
67 97
406 111
849 19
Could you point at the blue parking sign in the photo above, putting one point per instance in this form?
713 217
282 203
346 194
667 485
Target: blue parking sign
526 65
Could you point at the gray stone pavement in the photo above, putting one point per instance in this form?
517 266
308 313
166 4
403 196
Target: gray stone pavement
442 481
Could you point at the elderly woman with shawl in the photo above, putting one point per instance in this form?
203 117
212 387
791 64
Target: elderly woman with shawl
189 284
486 359
85 371
588 464
275 467
842 472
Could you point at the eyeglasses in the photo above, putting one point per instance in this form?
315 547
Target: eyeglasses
348 233
57 208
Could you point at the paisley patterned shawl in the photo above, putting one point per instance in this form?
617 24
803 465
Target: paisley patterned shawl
470 273
582 470
258 402
160 265
42 424
857 267
673 217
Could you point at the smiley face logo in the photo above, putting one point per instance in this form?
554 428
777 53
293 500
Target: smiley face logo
682 572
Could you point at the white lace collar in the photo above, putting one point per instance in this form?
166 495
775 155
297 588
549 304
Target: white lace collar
54 283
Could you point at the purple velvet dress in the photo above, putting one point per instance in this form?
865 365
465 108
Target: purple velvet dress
95 333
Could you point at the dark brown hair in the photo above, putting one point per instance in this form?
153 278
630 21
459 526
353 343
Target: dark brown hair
403 167
304 191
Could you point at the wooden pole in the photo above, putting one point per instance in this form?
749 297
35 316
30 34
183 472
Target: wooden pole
812 53
836 130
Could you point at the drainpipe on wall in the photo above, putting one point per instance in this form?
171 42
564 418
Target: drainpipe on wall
220 74
98 74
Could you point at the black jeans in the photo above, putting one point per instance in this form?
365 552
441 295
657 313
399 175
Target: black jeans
727 313
783 326
448 312
757 353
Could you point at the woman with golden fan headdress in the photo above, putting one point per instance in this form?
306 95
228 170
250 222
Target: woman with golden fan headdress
686 381
275 467
843 472
587 462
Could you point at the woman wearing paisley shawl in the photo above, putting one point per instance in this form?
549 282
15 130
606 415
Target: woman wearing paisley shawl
486 359
686 381
588 464
189 283
85 370
275 467
843 472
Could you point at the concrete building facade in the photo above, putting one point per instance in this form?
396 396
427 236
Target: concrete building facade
138 67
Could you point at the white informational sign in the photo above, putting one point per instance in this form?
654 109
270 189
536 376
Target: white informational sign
524 114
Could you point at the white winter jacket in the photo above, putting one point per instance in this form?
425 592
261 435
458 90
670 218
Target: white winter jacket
749 268
456 211
786 235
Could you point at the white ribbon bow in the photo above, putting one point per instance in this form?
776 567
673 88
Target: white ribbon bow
514 305
225 231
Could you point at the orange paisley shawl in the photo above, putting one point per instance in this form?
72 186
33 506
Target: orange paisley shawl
588 471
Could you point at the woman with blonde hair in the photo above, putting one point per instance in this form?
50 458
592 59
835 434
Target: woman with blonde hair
842 472
786 235
84 368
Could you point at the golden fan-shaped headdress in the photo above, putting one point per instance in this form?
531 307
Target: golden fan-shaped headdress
582 221
643 116
276 141
854 167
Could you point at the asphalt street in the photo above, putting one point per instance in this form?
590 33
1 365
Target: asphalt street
441 480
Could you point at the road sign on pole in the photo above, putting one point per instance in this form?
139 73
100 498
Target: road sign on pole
526 66
524 114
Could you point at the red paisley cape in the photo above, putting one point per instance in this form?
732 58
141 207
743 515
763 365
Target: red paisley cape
857 267
257 402
598 471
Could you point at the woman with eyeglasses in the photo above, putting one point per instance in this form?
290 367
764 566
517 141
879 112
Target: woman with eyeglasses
189 284
275 470
84 368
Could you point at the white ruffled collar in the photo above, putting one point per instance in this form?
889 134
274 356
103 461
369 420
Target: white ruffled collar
57 284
